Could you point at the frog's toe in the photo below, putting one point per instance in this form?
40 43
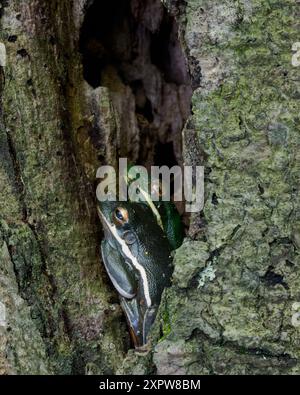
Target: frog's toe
148 321
133 316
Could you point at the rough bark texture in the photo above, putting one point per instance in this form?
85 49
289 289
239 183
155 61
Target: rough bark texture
237 276
61 315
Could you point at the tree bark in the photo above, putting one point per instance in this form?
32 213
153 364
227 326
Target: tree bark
61 315
236 284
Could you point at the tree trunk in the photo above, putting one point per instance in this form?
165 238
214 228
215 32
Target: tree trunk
72 99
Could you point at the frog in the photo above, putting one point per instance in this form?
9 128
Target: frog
137 257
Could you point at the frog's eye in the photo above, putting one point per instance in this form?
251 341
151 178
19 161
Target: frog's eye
120 216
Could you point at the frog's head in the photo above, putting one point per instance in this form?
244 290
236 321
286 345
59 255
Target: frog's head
132 229
119 220
133 225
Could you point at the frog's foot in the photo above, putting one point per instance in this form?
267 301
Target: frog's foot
148 321
134 319
140 321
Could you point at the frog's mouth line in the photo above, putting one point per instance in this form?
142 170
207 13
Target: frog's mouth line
128 254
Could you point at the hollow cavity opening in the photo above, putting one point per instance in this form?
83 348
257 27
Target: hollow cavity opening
132 47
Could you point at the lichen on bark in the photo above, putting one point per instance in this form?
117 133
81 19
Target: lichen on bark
245 113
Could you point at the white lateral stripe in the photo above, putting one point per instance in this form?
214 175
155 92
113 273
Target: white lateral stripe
133 259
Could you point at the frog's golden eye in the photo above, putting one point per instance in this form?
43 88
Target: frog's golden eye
120 216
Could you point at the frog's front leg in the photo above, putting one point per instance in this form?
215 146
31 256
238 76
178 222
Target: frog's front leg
134 319
118 270
140 320
148 320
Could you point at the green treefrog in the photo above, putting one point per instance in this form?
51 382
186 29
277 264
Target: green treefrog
137 256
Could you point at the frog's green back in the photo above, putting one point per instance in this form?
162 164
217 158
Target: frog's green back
167 216
172 224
